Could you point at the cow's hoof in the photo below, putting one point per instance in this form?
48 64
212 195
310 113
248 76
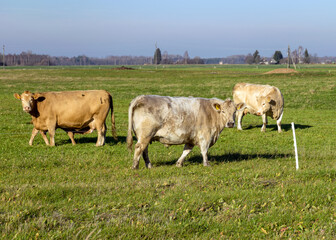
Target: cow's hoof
149 165
179 165
206 164
134 167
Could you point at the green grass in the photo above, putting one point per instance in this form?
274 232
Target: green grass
251 191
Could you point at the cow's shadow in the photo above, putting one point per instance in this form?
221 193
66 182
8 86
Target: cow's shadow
230 157
274 127
93 140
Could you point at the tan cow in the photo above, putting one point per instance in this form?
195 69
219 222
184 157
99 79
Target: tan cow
177 120
260 100
72 111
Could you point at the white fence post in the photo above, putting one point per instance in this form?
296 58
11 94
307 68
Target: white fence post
295 147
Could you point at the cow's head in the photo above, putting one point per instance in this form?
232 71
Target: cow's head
265 103
227 109
28 100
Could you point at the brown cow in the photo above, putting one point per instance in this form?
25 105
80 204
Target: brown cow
177 120
260 100
72 111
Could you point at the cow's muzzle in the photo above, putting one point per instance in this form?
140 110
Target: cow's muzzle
230 124
27 109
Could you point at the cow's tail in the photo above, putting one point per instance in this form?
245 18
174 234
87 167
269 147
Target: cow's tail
130 125
114 130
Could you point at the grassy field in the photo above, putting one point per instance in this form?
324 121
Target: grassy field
251 191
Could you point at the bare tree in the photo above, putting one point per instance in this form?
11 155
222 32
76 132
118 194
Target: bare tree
300 52
186 57
249 59
295 56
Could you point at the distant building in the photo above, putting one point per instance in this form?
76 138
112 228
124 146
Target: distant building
264 61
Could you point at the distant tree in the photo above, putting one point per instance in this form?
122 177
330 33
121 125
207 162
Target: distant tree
198 60
300 52
256 57
306 57
277 56
186 57
295 56
165 58
249 59
157 56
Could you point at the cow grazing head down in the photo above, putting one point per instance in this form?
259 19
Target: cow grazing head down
265 104
28 100
261 100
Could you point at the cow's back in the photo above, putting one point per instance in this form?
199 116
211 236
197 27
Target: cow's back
165 111
175 120
248 93
74 108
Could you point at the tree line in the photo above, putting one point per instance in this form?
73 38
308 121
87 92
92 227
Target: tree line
298 56
29 58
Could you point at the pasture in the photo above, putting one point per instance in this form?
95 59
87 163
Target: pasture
251 191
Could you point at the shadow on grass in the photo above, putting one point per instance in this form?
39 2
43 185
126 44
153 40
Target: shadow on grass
230 157
93 140
274 127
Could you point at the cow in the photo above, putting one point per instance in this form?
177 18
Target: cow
72 111
261 100
177 120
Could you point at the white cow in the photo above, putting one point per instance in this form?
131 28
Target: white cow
177 120
260 100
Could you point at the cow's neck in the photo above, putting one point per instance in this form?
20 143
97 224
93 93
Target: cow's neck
34 113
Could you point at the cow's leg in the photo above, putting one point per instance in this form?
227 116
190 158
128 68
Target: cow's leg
44 136
240 115
279 123
52 130
264 118
146 158
204 150
34 133
71 136
101 129
140 147
187 149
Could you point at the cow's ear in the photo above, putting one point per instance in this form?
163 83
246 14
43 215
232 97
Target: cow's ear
17 96
241 106
38 97
270 100
217 107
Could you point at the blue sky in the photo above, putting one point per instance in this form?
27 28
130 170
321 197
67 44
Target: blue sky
211 28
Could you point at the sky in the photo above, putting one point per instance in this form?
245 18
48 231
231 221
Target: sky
211 28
